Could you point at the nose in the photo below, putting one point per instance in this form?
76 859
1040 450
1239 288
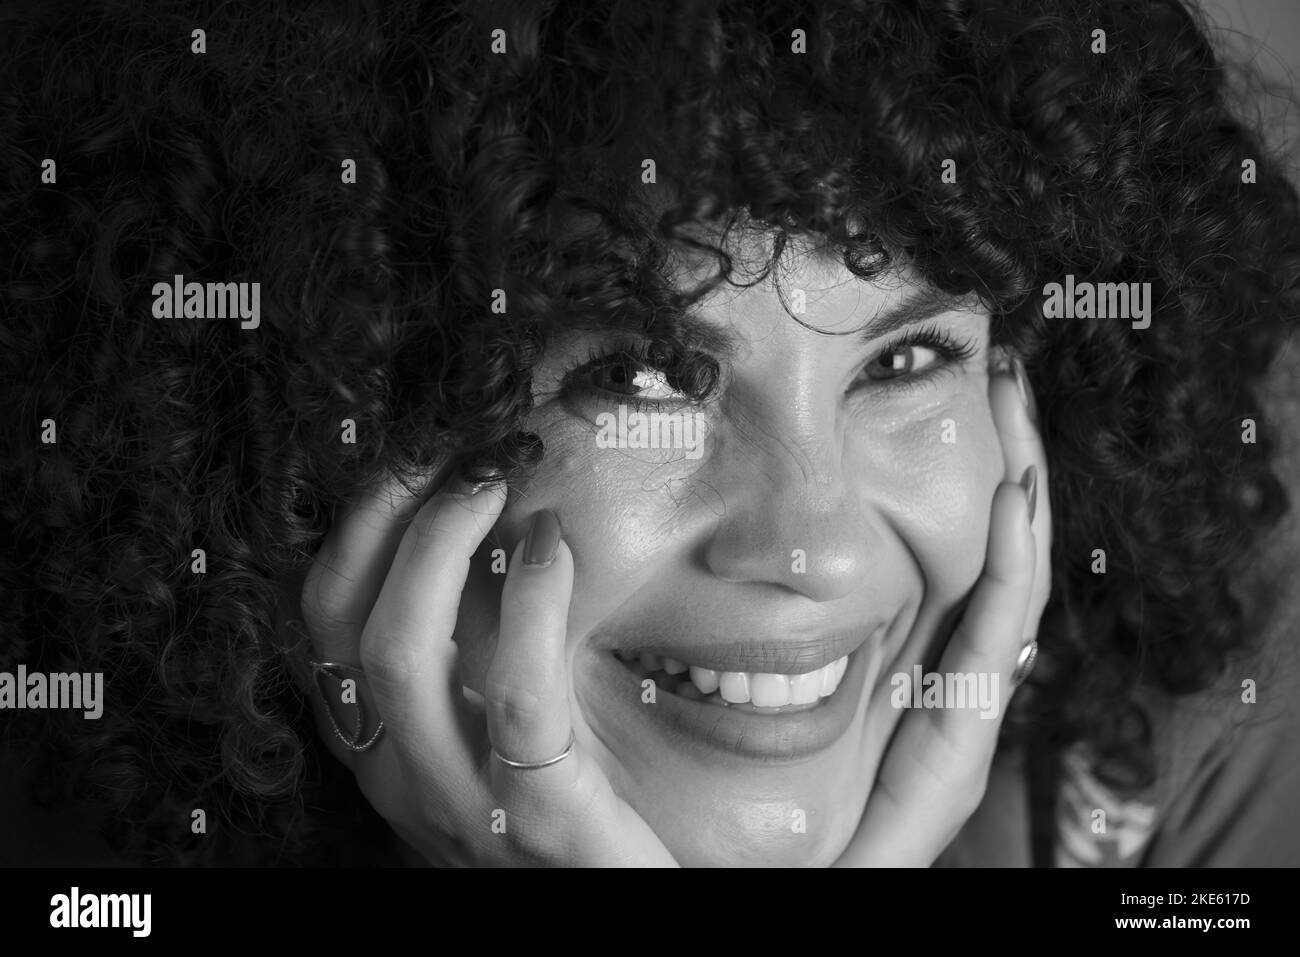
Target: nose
792 519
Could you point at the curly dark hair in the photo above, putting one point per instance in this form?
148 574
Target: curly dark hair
172 435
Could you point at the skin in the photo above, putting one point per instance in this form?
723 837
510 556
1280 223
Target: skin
804 450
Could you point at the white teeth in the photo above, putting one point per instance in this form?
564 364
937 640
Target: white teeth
673 666
769 690
829 681
706 679
762 689
734 686
806 689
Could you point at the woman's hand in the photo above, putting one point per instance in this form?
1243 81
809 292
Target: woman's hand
937 765
384 592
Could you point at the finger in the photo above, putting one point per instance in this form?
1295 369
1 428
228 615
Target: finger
349 570
566 812
1014 416
406 646
1011 401
989 637
527 689
337 594
986 643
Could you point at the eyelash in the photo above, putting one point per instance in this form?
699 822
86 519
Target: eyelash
952 350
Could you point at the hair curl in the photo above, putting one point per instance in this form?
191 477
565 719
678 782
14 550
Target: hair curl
183 434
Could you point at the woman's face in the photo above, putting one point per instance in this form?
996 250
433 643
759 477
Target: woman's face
836 507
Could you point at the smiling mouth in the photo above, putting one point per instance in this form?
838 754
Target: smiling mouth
750 692
729 702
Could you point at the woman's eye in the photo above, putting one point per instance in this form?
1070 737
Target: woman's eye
630 377
903 360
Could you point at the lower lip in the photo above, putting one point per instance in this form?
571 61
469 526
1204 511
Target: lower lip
717 728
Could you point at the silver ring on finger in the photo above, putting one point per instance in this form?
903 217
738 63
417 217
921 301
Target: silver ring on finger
533 765
1025 663
340 688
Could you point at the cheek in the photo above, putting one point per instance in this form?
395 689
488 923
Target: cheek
934 474
617 510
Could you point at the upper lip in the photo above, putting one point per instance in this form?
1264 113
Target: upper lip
788 655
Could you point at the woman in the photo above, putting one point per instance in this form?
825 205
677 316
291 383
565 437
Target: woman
655 436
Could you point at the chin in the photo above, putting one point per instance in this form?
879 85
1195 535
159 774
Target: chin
725 824
765 847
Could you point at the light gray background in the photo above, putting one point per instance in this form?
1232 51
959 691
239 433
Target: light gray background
1266 34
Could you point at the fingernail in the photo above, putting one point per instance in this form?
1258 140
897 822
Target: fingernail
543 539
1029 482
474 698
495 478
462 486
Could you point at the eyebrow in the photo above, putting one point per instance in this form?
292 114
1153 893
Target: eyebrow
926 303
